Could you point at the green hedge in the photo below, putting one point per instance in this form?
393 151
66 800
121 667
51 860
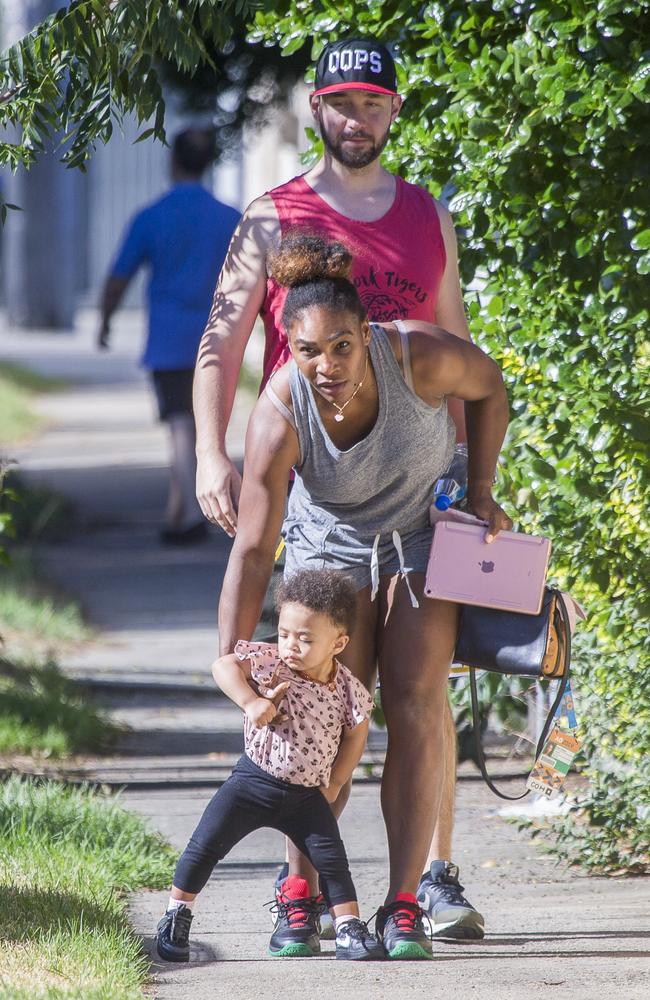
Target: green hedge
533 119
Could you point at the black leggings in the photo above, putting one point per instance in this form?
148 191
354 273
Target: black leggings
251 799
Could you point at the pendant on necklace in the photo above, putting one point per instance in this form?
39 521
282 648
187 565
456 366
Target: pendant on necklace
339 416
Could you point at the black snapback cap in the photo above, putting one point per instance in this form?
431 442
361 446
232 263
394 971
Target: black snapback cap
355 64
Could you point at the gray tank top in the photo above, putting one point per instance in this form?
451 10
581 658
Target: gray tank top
383 483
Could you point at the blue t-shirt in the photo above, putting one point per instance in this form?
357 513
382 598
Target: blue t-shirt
183 239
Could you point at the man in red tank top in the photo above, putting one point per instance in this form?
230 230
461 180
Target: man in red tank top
404 246
399 258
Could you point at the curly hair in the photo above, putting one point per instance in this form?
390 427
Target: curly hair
325 591
317 273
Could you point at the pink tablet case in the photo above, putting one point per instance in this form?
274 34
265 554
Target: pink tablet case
508 574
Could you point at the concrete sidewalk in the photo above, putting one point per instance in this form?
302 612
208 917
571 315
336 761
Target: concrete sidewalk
549 931
155 606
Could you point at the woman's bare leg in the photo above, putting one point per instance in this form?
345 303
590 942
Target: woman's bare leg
415 650
440 849
360 657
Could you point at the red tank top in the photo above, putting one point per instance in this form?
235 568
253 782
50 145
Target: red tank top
399 259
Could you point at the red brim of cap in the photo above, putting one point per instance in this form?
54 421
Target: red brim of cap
335 87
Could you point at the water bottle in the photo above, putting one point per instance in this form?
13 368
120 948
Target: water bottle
452 487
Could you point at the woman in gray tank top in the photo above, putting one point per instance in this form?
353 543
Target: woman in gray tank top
360 415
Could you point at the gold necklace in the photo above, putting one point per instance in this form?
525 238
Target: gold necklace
339 416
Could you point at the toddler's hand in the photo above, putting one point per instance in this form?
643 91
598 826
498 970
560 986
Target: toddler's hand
264 710
331 793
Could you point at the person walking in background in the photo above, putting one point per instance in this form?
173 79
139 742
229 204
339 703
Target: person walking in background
405 267
182 239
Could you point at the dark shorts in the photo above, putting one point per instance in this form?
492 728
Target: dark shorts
173 390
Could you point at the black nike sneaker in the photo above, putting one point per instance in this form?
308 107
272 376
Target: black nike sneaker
326 923
355 943
440 895
296 929
173 935
400 928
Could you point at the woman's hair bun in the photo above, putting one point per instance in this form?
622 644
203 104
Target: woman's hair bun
303 257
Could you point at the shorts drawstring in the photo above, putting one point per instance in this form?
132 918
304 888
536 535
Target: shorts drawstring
403 571
374 566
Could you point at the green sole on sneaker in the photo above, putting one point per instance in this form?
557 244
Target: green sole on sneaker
409 949
296 950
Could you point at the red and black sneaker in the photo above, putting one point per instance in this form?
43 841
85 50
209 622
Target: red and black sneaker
327 932
400 928
296 928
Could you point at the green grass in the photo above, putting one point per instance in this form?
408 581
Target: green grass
67 858
18 420
29 608
18 386
30 381
31 611
43 712
37 513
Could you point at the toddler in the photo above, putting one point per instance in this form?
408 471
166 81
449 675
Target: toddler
305 727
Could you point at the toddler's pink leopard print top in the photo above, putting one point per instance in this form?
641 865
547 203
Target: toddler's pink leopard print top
302 749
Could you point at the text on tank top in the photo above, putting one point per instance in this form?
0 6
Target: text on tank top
398 260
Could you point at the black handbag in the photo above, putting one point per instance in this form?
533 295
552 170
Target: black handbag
507 642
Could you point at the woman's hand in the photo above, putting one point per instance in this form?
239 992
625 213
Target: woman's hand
487 509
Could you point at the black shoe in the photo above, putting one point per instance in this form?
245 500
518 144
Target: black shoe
327 932
400 928
354 942
185 536
440 895
296 929
173 935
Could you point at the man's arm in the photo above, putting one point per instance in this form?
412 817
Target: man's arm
238 298
450 309
114 290
133 253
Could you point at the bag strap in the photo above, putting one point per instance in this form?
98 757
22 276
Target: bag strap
565 639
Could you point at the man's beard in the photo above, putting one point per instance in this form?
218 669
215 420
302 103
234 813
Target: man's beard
352 157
